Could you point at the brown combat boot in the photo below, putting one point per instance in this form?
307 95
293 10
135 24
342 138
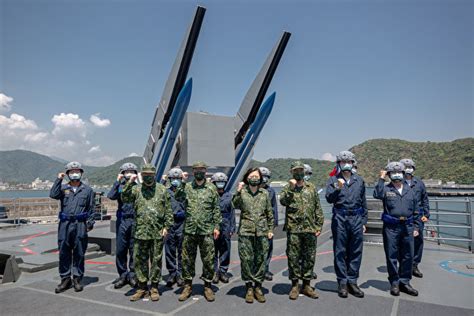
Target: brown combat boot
140 293
295 290
258 293
154 293
187 291
308 290
249 294
208 292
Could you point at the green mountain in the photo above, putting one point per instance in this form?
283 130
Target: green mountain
447 161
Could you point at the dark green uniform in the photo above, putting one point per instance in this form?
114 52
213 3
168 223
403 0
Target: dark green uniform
304 217
256 221
152 214
203 215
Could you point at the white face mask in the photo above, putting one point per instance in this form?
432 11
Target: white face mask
396 176
220 184
409 170
75 176
128 175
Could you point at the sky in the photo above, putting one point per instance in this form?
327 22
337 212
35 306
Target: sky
81 79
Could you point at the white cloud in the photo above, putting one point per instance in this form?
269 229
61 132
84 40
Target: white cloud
16 121
94 149
97 121
133 155
68 138
328 157
5 102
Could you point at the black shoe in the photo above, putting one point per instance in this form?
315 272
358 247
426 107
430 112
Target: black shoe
406 288
116 280
171 281
215 280
342 291
314 275
120 284
76 282
179 282
417 272
64 285
268 276
395 290
224 278
133 282
354 289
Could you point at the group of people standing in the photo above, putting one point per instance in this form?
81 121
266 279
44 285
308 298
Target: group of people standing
183 216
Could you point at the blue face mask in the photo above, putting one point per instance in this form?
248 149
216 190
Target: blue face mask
346 167
307 177
220 184
176 182
396 176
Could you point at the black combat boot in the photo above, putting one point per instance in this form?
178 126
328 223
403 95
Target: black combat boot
120 284
417 272
77 284
395 290
224 278
355 290
268 276
406 288
64 285
216 278
342 291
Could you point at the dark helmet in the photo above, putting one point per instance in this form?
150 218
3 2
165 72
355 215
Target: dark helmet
408 163
219 177
395 166
73 165
345 155
128 166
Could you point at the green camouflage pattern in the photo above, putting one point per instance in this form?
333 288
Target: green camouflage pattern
301 253
144 251
256 213
199 164
148 168
253 251
201 202
297 164
152 209
206 249
303 209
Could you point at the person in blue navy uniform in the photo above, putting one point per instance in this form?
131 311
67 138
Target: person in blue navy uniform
76 218
399 209
266 175
423 212
227 229
346 191
174 240
125 225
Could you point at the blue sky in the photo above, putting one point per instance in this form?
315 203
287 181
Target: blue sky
352 71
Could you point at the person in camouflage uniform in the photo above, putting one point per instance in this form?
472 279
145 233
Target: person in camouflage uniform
256 227
303 223
203 217
153 218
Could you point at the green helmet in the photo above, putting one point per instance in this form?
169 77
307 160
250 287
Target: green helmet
148 168
297 164
199 164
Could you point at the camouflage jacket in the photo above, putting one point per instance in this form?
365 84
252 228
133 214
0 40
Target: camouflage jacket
201 203
152 209
303 209
256 212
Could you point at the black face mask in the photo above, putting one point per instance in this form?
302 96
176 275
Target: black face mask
254 182
148 180
199 175
298 176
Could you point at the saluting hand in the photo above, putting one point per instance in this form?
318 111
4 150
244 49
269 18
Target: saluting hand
241 185
133 178
61 175
119 177
270 235
383 173
292 183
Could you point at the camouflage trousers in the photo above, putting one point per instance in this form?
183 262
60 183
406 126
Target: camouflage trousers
143 252
301 253
206 250
253 251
